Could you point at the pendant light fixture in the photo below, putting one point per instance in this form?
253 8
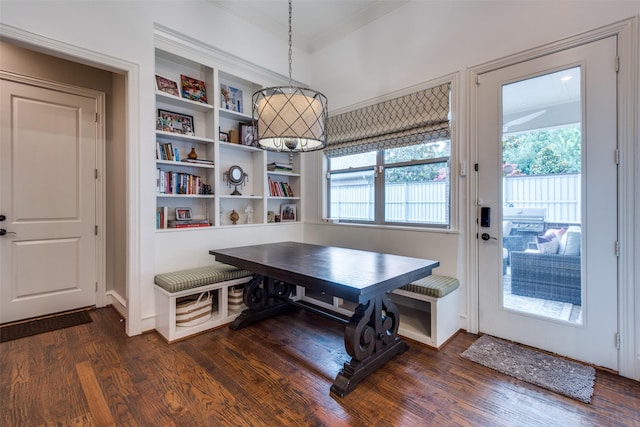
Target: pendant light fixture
290 118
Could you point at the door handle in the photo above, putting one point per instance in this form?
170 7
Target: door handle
4 232
2 217
486 236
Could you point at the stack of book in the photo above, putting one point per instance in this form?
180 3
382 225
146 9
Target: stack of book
281 167
188 223
198 161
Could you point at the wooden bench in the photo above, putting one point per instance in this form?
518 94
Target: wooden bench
429 309
172 287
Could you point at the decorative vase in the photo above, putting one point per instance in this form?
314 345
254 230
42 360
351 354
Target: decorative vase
234 217
192 154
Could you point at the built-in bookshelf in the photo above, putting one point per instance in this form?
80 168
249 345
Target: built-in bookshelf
185 150
200 134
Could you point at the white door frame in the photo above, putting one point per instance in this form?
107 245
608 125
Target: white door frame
628 215
132 305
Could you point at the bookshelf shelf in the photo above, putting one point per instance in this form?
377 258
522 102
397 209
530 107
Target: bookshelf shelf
282 173
165 98
181 137
185 196
185 164
234 115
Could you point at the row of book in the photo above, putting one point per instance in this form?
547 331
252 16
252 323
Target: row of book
280 189
169 182
282 167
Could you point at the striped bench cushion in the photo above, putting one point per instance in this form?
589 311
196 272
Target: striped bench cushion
433 286
192 278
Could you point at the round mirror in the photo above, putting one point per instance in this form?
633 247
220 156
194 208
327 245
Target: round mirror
236 175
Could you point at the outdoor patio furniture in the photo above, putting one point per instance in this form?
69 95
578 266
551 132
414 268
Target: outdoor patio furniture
552 276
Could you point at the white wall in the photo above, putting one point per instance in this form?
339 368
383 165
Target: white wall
424 40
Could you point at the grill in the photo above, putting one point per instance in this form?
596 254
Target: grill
525 220
522 225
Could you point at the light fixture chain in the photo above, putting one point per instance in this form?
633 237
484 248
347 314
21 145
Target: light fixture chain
290 119
290 44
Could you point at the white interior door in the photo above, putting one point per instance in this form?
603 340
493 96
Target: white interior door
48 198
535 294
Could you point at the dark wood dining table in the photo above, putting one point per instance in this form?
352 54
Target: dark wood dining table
359 276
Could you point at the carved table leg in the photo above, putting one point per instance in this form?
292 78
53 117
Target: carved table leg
265 297
370 339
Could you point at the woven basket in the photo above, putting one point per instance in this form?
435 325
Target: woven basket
194 312
235 299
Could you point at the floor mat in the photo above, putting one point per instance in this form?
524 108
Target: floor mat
553 373
34 327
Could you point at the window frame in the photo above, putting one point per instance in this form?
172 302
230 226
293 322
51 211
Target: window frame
380 183
457 167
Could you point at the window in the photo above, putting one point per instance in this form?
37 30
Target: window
410 184
389 163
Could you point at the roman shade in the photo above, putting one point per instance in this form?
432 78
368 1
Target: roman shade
415 118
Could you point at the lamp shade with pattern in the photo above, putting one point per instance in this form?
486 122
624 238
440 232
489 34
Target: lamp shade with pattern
290 118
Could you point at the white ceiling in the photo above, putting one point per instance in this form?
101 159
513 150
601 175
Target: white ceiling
316 23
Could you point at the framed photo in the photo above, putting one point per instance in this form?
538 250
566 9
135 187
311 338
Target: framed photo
193 89
288 213
169 121
164 84
183 214
230 98
224 137
247 134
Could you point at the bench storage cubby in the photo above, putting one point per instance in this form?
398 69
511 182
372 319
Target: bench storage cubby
429 309
217 279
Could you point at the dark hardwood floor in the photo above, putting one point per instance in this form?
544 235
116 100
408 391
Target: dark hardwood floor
272 374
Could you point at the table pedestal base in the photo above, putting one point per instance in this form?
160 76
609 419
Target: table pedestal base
354 371
370 337
265 297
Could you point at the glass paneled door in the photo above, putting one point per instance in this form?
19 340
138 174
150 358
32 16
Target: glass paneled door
541 200
547 201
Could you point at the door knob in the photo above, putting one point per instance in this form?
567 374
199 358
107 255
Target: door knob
2 217
486 236
4 232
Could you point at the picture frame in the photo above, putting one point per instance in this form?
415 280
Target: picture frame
223 137
271 216
168 121
288 213
247 134
166 85
183 214
231 98
193 89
